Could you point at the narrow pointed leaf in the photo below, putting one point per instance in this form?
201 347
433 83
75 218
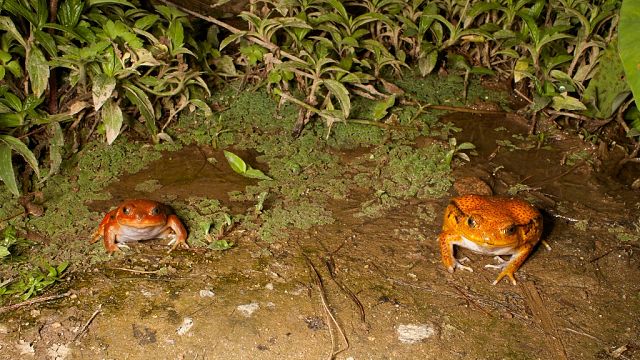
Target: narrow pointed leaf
22 149
102 89
237 164
341 93
141 100
38 70
112 119
7 174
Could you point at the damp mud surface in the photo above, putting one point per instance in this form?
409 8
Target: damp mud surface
341 260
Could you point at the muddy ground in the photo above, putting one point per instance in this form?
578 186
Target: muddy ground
358 287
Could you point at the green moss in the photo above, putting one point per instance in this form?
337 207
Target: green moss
301 215
422 173
148 186
352 135
198 214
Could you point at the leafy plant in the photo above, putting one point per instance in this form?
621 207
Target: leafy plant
34 282
241 167
9 242
456 149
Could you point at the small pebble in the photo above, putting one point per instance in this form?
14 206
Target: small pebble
412 333
206 293
248 309
187 323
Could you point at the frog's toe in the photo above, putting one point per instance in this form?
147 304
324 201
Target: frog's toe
503 274
500 265
463 267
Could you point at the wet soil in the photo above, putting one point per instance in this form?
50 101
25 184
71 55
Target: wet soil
363 288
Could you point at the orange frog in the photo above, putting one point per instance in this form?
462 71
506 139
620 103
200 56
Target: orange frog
140 219
490 225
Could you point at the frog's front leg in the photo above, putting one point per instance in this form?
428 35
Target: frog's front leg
110 238
179 236
447 241
514 263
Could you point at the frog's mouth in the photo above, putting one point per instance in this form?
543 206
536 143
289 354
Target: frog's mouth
487 249
142 224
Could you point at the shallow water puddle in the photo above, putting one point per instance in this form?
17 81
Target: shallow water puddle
189 172
556 171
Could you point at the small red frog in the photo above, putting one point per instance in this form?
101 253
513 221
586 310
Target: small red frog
491 225
140 219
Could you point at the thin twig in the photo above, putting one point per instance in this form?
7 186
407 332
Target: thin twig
137 271
33 301
86 325
325 305
331 267
234 30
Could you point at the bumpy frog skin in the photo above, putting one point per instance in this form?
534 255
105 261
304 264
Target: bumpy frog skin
140 219
490 225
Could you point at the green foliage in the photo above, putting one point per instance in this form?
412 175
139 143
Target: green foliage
34 282
9 242
332 50
630 51
109 51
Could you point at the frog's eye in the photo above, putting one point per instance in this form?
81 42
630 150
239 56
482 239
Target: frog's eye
510 230
126 210
155 211
471 222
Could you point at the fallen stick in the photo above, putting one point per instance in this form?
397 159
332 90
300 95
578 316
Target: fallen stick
86 325
33 301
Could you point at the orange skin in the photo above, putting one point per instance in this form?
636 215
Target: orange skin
140 219
490 225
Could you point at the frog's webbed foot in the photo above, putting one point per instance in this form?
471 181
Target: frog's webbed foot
174 243
459 262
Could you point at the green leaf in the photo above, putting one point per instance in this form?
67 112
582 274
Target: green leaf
565 102
380 108
256 174
102 89
237 164
341 93
466 146
231 38
221 245
146 22
69 12
22 149
38 70
56 143
7 174
176 33
605 91
141 100
7 25
112 119
110 2
629 38
427 60
13 101
47 42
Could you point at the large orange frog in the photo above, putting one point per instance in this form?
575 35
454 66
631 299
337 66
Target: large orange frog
491 225
140 219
